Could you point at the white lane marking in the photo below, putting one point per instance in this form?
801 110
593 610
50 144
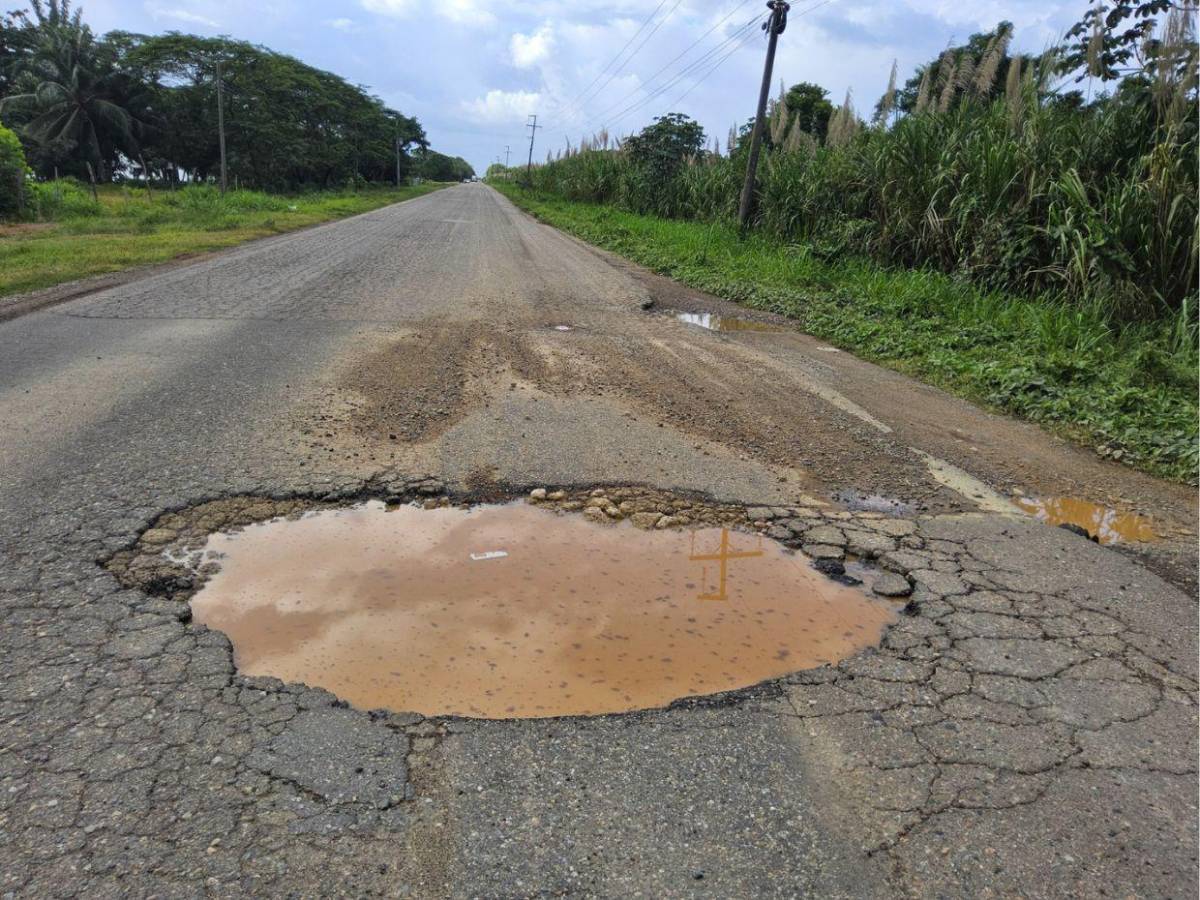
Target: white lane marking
967 485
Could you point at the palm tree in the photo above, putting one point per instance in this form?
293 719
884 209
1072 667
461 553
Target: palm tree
74 94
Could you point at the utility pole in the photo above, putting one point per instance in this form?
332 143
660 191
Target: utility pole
533 127
773 27
221 125
507 151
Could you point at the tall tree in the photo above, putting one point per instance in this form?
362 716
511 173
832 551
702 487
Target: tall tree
809 108
1113 40
70 100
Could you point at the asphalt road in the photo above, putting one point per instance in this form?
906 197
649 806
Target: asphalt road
1029 730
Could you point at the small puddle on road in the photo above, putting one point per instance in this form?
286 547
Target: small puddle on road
714 322
1107 525
860 501
416 610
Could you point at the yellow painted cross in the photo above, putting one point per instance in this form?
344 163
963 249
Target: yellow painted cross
723 556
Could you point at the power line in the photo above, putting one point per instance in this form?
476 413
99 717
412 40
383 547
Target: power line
737 38
716 65
688 49
617 71
739 34
713 68
620 52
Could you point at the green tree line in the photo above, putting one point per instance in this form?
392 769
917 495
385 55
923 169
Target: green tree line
146 105
1071 175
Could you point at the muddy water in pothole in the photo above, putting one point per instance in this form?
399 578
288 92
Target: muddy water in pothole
1107 525
714 322
505 611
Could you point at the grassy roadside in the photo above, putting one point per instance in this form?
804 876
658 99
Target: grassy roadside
1130 393
128 229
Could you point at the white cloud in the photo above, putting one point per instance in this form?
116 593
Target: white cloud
503 106
180 15
343 24
398 8
529 50
464 12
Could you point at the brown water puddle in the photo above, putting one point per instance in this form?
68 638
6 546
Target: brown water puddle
514 611
1107 525
714 322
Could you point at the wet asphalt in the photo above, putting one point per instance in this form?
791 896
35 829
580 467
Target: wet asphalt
1030 729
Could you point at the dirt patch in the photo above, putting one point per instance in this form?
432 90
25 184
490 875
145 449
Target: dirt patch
422 384
24 229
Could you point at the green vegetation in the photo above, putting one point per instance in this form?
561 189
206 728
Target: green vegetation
127 105
1131 392
12 173
141 111
129 227
1014 184
1026 245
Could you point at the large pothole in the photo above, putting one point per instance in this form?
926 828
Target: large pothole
507 609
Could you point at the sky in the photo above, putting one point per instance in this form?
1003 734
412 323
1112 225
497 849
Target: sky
472 72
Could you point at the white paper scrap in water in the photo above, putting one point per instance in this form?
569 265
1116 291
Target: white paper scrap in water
491 554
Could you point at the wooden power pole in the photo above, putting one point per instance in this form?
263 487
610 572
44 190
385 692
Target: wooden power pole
533 127
774 27
221 126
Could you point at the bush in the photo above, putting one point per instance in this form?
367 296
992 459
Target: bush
65 198
13 171
1089 205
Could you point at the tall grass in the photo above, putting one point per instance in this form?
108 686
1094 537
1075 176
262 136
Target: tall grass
1093 205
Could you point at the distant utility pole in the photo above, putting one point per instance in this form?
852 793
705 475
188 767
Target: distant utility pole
507 151
397 158
221 125
774 28
533 127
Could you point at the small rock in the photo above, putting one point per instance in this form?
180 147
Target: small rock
779 533
895 527
889 584
595 513
823 551
556 495
666 522
825 534
645 520
755 513
537 494
159 536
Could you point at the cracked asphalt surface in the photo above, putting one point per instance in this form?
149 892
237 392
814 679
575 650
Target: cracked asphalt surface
1028 728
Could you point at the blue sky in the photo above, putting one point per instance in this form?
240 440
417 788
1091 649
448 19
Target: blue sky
471 71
